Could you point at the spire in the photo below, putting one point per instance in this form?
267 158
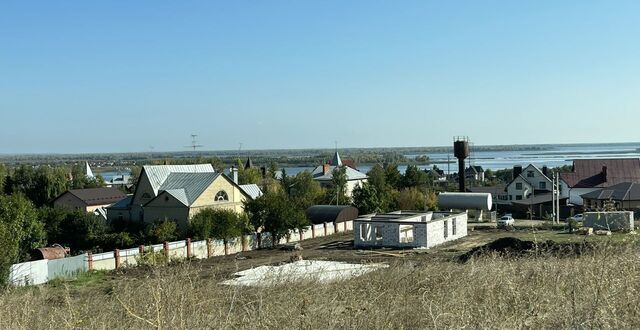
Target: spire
336 161
88 171
248 164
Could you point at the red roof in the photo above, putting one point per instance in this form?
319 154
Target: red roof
592 173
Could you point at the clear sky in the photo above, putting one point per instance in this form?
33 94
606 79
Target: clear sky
120 76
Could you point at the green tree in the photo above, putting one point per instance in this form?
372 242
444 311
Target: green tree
411 199
248 175
393 176
21 228
275 213
366 199
304 190
218 223
40 185
414 177
163 231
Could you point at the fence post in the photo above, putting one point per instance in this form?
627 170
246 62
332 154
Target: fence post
243 240
301 232
313 230
208 247
116 255
226 247
335 227
165 248
90 261
259 237
325 228
188 247
141 249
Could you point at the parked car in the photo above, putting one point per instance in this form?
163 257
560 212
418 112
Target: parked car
506 221
577 217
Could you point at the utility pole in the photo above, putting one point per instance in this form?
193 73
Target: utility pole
558 198
553 197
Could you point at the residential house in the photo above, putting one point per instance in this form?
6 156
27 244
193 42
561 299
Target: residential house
589 175
178 192
324 174
474 173
530 192
526 182
622 196
88 200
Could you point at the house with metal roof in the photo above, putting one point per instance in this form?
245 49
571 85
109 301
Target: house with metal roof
589 175
88 200
178 192
622 196
324 174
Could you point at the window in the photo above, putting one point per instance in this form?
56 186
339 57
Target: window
222 196
446 228
453 227
518 197
378 233
146 196
406 233
510 197
543 185
519 185
529 174
364 232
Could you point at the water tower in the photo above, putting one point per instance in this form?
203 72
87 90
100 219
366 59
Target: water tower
461 151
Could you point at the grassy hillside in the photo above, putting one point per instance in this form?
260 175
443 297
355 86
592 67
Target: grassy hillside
600 289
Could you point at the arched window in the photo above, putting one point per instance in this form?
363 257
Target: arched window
146 196
222 196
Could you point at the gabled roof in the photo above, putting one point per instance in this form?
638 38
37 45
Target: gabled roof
252 190
187 187
123 203
474 169
157 174
96 196
619 192
590 173
352 174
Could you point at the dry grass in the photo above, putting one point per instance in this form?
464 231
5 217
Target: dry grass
599 290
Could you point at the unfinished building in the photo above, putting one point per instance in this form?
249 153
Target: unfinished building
409 229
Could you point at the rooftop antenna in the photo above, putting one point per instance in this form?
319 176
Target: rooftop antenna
194 143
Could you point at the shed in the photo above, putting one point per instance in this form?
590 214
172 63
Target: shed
318 214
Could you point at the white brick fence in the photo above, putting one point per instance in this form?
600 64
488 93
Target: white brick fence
42 271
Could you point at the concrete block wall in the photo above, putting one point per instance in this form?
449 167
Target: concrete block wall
618 220
425 234
436 230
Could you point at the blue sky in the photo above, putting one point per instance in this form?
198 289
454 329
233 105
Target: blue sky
120 76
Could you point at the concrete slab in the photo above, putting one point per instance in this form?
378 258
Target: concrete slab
303 270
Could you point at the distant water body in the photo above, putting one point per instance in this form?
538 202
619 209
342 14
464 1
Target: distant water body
552 156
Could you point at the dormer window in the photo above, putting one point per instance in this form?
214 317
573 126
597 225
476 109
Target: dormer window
222 196
529 174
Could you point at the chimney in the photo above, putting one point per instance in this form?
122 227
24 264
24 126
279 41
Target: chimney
545 171
234 174
263 170
604 172
517 170
325 168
